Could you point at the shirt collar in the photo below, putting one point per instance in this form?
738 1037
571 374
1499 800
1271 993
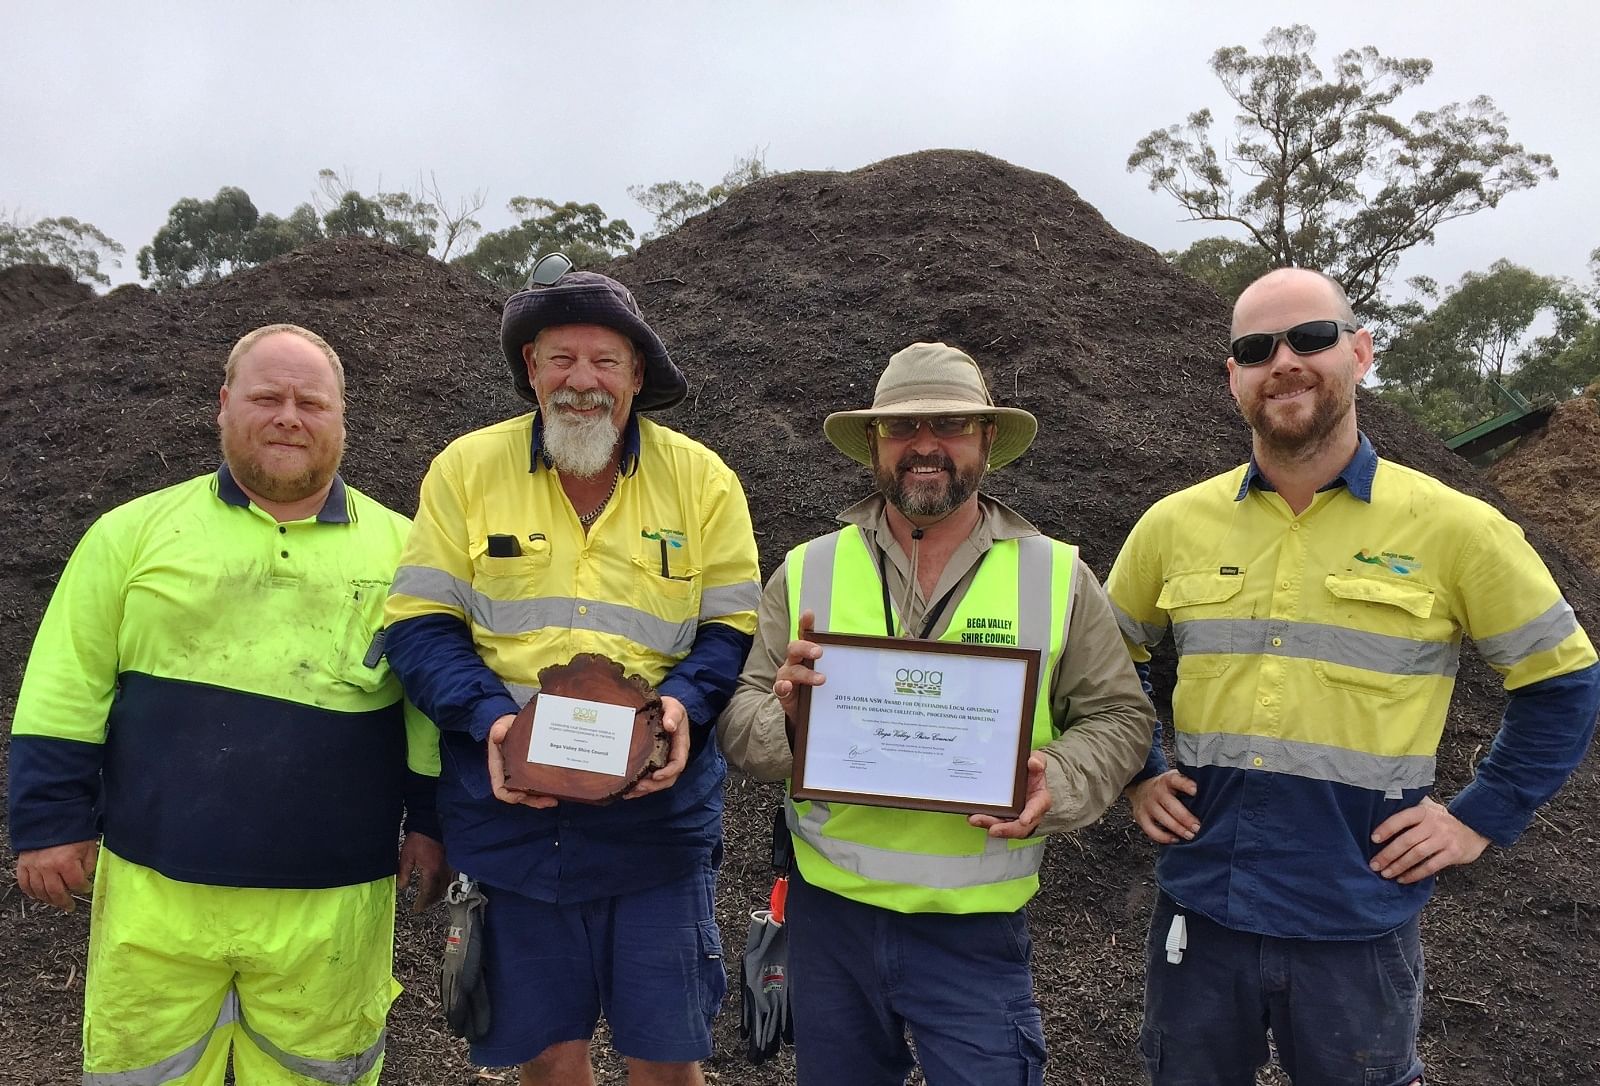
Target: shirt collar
630 444
335 510
1357 475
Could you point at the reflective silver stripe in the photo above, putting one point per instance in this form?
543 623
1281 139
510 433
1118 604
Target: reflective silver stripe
816 579
173 1067
730 599
1147 634
525 616
521 694
427 583
342 1072
1318 641
1035 592
998 862
1380 773
1545 632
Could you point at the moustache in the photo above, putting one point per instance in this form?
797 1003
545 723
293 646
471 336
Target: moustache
925 460
583 401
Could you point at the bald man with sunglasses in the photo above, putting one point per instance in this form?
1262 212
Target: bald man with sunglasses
1317 596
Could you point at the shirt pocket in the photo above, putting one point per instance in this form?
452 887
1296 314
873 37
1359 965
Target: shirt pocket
357 631
504 586
1206 616
1372 635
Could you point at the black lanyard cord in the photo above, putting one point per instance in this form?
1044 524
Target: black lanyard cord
888 604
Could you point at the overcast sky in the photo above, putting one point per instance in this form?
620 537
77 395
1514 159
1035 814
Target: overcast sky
111 112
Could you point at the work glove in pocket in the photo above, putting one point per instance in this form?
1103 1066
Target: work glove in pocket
462 991
764 988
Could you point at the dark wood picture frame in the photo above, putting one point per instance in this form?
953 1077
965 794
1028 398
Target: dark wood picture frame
1029 658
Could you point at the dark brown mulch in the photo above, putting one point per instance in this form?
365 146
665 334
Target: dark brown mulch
27 290
1551 474
781 305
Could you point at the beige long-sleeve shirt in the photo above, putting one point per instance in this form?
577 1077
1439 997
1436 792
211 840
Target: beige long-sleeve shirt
1096 701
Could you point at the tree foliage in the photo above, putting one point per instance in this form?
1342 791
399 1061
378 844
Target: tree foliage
582 231
1445 364
1226 265
1321 171
203 240
674 202
64 242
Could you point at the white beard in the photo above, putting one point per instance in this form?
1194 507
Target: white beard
578 446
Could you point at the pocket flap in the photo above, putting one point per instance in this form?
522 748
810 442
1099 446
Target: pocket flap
1199 586
1414 599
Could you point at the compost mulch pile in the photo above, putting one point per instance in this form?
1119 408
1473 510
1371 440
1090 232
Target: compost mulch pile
1552 474
30 289
781 305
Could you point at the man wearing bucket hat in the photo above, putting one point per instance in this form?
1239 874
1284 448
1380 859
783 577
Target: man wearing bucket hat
912 920
582 527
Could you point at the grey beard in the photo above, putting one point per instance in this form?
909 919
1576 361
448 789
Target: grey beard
577 446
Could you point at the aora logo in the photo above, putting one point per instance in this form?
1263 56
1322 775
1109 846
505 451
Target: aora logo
920 682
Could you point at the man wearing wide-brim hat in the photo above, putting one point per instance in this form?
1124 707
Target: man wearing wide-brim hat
909 920
582 527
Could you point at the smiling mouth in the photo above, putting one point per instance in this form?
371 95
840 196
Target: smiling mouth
1293 393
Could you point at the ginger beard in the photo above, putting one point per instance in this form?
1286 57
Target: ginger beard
577 445
1299 430
928 494
277 473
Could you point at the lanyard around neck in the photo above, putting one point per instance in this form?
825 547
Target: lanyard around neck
938 608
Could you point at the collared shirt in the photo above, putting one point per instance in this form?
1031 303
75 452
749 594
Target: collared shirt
1357 475
205 677
1094 693
1317 653
499 580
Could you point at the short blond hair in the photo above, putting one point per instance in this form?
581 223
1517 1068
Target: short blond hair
250 339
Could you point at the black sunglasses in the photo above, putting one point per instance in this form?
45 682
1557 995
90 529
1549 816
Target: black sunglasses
547 269
1306 338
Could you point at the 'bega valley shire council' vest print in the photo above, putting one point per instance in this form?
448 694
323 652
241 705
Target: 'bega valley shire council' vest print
924 861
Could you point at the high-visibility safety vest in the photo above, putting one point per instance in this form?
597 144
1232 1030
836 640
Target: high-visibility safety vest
924 861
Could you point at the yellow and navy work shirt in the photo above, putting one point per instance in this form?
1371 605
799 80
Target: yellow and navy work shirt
207 684
499 580
1316 658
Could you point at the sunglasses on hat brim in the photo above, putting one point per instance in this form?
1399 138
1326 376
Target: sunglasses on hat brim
1308 337
547 269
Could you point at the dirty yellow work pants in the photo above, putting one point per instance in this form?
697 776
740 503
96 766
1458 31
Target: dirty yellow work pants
297 983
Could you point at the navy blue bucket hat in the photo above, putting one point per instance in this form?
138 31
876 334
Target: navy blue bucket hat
579 297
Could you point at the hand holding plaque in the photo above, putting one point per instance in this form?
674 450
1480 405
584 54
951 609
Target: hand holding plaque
588 736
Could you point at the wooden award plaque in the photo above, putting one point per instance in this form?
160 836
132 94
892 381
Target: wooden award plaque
589 677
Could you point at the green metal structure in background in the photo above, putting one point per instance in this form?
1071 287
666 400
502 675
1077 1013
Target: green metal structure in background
1520 417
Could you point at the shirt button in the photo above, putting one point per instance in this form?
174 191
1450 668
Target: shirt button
582 609
1266 701
282 530
1277 642
285 554
1256 761
1284 585
1294 527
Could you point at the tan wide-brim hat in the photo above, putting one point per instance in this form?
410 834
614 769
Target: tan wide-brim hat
932 379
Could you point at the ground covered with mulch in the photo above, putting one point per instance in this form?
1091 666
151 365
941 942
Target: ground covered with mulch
1552 475
29 289
781 305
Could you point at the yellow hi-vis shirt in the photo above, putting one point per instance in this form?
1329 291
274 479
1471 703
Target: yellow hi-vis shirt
924 861
658 562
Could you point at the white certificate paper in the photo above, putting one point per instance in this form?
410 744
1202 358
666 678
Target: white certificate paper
912 725
576 734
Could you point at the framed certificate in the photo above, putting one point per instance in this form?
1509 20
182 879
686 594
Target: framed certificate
925 725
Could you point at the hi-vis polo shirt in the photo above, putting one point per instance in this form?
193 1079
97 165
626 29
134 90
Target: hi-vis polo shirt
1316 658
499 580
206 677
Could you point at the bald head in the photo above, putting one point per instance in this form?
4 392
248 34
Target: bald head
1290 288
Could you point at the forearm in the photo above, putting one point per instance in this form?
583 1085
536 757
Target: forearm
753 730
705 679
1545 732
1105 716
443 675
